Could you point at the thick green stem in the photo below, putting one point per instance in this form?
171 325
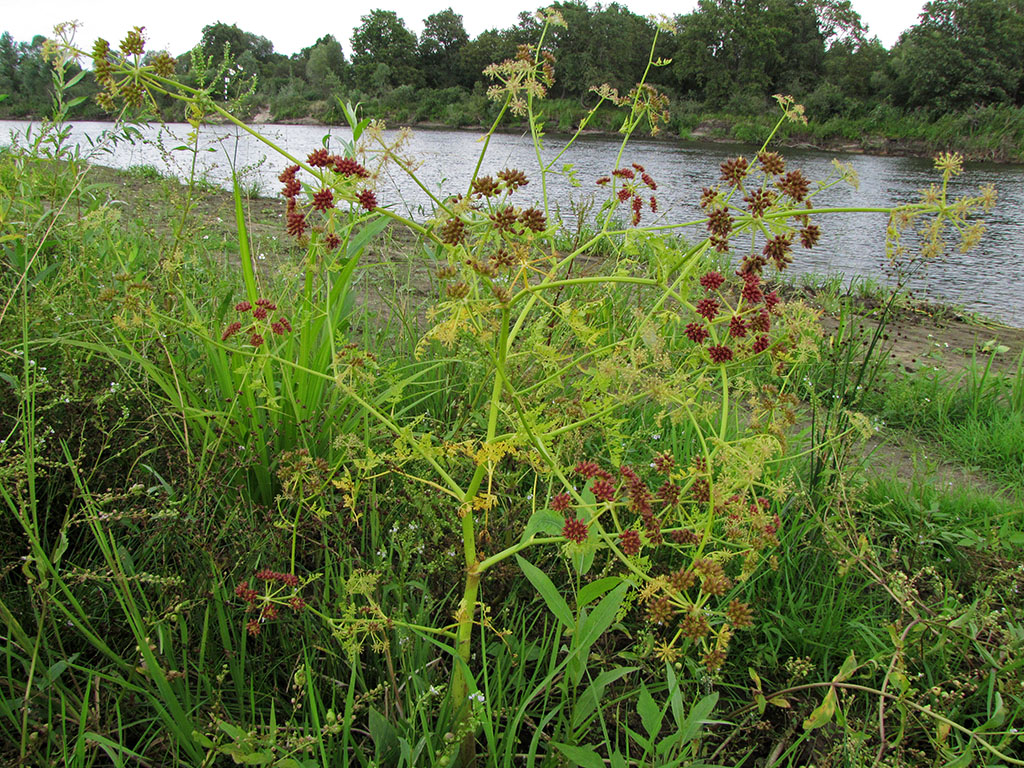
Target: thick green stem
467 607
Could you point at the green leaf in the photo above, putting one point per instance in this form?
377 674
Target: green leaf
584 757
74 81
699 715
998 715
555 602
602 617
595 589
593 626
823 713
543 521
960 761
592 696
847 670
203 740
649 711
248 273
383 733
675 695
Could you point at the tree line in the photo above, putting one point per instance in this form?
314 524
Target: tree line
727 56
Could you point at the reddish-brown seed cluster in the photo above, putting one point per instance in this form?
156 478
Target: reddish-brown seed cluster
708 308
701 490
453 231
772 163
513 179
635 180
590 469
737 327
735 170
809 235
697 332
660 610
751 291
323 199
260 313
778 249
668 493
685 536
346 166
560 502
288 579
794 185
575 530
761 322
739 614
720 354
759 201
485 186
367 199
629 541
533 219
712 281
603 490
245 592
664 462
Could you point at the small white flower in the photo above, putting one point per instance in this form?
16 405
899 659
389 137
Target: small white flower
477 696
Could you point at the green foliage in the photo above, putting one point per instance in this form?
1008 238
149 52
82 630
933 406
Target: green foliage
444 36
384 52
962 53
526 518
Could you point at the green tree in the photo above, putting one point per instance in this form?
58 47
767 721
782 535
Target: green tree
961 53
444 36
731 50
382 38
603 45
487 48
326 66
217 35
8 64
33 79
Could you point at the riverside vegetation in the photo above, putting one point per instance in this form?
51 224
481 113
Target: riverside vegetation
953 81
594 500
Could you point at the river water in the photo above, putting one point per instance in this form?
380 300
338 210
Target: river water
987 280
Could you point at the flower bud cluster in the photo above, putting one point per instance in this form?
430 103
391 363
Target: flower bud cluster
260 322
636 189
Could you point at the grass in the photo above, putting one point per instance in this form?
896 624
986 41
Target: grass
977 414
223 550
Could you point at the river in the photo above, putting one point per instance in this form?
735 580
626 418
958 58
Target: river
987 280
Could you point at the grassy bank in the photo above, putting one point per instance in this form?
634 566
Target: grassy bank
485 490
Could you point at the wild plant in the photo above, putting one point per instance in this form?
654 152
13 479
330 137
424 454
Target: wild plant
918 235
559 364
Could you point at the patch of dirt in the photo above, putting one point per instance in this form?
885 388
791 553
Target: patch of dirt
929 336
905 457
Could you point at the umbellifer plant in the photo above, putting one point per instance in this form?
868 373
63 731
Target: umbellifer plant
563 353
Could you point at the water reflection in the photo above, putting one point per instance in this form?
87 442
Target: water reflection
852 244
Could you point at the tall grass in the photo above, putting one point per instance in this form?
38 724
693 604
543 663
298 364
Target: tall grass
553 519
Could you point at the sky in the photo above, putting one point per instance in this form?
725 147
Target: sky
177 26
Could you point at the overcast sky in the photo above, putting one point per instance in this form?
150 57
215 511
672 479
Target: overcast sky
177 26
